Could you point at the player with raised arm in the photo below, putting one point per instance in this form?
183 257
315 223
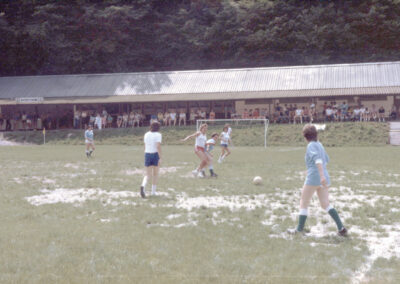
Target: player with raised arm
89 141
209 147
225 141
317 180
199 149
152 158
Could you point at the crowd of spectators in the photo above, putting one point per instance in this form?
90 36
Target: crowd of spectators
100 119
286 113
332 112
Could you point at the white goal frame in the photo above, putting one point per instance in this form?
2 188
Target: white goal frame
234 120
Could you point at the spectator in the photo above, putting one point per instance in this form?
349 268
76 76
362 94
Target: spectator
23 120
84 117
212 115
173 117
356 113
160 117
109 120
125 118
153 118
374 112
306 114
329 116
138 118
119 120
104 120
92 118
77 119
131 119
98 121
256 113
167 118
393 113
245 114
182 117
192 117
203 114
381 113
362 113
298 115
263 113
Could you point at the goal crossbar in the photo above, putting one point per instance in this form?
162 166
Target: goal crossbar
233 121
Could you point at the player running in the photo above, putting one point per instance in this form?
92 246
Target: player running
225 141
89 141
317 180
209 147
199 149
152 158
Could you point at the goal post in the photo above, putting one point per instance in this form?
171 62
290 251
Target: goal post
252 128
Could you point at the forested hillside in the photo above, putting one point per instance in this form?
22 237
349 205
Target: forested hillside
93 36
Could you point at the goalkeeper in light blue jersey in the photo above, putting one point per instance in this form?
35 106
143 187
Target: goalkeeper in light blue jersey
317 180
89 141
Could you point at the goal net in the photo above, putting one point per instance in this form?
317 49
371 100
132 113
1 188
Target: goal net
245 132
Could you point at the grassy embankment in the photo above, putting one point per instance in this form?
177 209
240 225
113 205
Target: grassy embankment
335 134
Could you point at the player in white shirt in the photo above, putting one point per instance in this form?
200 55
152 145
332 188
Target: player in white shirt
225 141
209 147
152 158
89 141
199 149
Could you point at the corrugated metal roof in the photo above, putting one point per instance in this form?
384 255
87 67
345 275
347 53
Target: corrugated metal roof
355 79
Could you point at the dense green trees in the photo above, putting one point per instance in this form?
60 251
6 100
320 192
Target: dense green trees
93 36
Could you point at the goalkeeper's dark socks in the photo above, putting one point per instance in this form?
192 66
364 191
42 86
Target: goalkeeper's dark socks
302 219
335 216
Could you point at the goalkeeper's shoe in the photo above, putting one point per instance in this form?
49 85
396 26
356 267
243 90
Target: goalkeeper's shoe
142 194
343 232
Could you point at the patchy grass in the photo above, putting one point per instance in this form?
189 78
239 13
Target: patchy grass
335 134
69 219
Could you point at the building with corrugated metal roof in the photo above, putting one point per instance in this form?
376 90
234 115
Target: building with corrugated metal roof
224 91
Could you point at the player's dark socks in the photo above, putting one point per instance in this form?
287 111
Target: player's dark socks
142 194
211 172
302 222
336 218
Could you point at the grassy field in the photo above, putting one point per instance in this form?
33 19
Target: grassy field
335 134
69 219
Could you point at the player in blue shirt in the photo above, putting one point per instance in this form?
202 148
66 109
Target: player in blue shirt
89 141
317 180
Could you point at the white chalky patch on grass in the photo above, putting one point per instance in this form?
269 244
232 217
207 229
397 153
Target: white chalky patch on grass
387 185
379 247
79 196
234 203
138 171
18 180
385 246
70 165
173 216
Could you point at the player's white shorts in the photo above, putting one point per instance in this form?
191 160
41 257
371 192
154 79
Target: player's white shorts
89 142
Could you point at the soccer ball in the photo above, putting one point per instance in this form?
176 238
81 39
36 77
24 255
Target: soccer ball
257 180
